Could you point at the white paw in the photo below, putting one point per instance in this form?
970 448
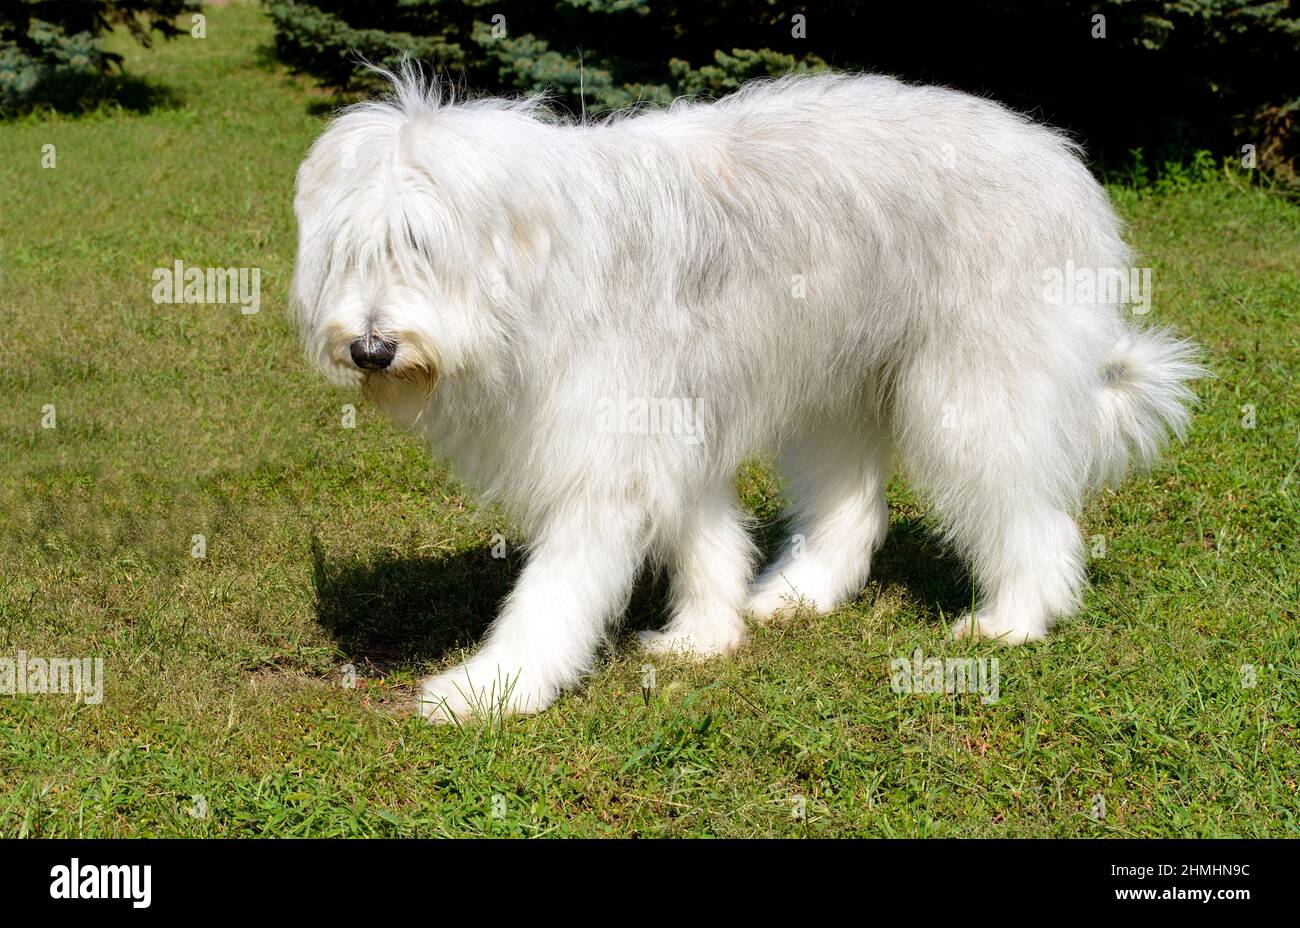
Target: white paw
776 596
481 689
989 626
688 645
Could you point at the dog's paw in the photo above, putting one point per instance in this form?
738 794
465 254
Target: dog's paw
775 600
988 626
480 690
689 645
806 584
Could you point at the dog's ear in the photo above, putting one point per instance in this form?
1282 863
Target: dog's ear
523 256
532 243
492 207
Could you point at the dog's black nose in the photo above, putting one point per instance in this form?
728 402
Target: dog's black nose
372 353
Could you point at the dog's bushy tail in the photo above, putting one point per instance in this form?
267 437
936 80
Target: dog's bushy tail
1144 397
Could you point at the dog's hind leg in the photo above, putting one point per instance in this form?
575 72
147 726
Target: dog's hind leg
836 476
1029 571
578 578
710 567
988 439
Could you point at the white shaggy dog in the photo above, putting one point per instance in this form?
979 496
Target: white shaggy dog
598 322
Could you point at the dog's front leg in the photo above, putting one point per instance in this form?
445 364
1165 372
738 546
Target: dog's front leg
577 580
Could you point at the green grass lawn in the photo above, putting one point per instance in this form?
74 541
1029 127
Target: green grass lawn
329 546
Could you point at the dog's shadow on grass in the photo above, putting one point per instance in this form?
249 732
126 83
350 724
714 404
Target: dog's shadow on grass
395 611
400 611
914 558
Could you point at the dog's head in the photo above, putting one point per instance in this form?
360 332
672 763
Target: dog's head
412 259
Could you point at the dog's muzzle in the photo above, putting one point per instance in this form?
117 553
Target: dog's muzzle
372 353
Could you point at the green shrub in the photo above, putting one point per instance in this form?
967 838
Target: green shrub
590 54
48 42
1170 76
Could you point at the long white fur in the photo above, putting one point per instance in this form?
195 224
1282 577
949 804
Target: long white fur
832 267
